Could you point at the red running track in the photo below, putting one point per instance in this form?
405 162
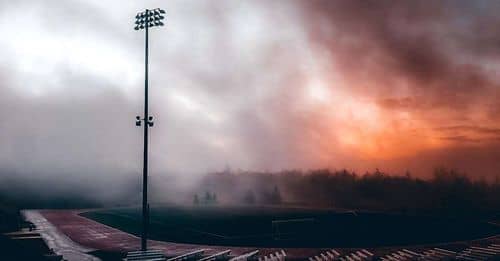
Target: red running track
92 234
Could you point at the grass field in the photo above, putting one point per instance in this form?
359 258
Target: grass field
292 227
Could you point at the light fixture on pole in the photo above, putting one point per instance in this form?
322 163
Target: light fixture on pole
145 20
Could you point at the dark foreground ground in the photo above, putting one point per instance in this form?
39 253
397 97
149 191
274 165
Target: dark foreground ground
279 227
16 249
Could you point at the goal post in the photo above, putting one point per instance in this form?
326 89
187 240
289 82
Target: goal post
286 228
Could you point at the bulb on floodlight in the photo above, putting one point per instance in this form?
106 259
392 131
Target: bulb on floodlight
149 18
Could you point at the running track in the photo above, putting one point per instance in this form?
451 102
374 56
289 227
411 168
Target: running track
91 235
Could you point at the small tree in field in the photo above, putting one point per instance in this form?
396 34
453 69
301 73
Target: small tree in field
214 198
276 196
249 197
208 197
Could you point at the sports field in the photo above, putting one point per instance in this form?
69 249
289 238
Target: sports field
290 227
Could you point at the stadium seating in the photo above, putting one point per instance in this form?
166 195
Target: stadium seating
247 256
223 255
277 256
153 255
193 255
431 254
326 256
360 255
480 253
471 253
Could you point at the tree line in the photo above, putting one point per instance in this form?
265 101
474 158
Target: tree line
448 192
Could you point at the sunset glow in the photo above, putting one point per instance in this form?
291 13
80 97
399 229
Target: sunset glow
307 84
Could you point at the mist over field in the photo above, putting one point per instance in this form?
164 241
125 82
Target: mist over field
253 85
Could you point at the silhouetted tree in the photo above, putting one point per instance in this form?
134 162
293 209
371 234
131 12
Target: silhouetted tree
275 196
208 197
214 198
249 197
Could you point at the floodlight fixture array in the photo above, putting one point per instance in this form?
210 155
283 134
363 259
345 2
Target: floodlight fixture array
149 18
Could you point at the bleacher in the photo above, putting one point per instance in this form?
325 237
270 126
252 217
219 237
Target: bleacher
151 255
480 253
471 253
193 255
431 254
223 255
403 254
247 256
326 256
277 256
330 255
360 255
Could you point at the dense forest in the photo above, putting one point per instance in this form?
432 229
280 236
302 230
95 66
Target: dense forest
448 193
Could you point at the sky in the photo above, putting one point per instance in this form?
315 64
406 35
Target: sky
253 85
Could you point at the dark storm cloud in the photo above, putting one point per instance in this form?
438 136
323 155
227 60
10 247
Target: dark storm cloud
433 47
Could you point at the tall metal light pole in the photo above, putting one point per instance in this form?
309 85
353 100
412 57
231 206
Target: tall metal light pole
145 20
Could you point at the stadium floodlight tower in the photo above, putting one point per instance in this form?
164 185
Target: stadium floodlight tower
144 20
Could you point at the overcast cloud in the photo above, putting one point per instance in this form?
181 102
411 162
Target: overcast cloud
255 85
